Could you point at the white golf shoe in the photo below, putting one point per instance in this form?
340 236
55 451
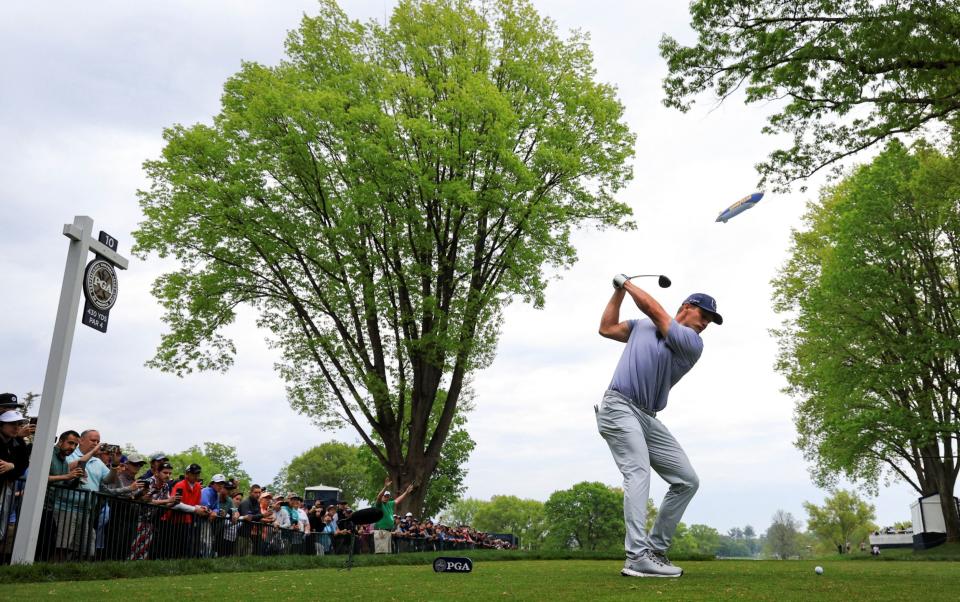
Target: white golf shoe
648 565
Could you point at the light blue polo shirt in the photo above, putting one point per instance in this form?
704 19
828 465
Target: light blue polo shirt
96 470
650 364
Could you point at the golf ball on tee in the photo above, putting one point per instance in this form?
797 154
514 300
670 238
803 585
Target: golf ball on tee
818 570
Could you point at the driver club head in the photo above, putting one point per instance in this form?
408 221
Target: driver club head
664 282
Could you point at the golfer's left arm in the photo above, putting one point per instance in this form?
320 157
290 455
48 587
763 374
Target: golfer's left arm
650 307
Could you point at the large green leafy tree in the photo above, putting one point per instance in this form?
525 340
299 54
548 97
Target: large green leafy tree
510 514
588 516
333 464
378 198
844 74
782 540
213 458
842 518
445 483
462 511
871 344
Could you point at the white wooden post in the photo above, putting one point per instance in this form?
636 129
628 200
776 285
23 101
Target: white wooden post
81 243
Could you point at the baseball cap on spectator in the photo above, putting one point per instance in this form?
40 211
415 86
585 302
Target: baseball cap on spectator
160 457
218 478
409 514
231 484
133 459
266 494
194 468
9 401
11 416
166 465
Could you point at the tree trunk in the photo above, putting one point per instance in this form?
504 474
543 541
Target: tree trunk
951 517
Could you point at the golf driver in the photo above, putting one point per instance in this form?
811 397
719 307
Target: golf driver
662 280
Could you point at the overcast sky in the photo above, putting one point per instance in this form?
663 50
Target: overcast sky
86 90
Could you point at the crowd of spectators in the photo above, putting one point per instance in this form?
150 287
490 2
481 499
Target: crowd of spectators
102 504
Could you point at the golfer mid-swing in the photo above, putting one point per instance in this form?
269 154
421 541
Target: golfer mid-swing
658 353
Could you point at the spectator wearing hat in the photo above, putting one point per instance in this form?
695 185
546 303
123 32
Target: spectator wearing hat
383 527
123 522
301 523
345 533
123 482
158 494
189 491
326 535
281 514
14 458
231 487
212 497
156 460
296 503
9 402
230 529
214 494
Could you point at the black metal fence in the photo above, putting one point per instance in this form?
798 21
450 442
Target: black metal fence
80 525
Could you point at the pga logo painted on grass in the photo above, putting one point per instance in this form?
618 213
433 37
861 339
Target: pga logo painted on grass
446 564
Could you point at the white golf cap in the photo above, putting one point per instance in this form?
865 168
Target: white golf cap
409 514
218 478
11 416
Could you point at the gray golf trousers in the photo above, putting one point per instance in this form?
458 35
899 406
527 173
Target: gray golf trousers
638 443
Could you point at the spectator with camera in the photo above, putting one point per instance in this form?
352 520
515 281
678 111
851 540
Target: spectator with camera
231 529
182 533
123 482
65 476
158 494
214 498
14 458
345 531
302 520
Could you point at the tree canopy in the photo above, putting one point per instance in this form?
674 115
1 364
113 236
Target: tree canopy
378 198
333 464
842 518
213 458
783 537
510 514
588 516
850 73
871 342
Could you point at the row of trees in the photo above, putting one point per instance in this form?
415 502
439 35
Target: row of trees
587 516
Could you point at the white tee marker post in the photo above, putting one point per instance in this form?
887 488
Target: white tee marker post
99 282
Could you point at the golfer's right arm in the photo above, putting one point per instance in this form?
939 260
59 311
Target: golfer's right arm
610 325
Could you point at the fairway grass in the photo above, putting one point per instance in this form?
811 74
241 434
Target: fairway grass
579 580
